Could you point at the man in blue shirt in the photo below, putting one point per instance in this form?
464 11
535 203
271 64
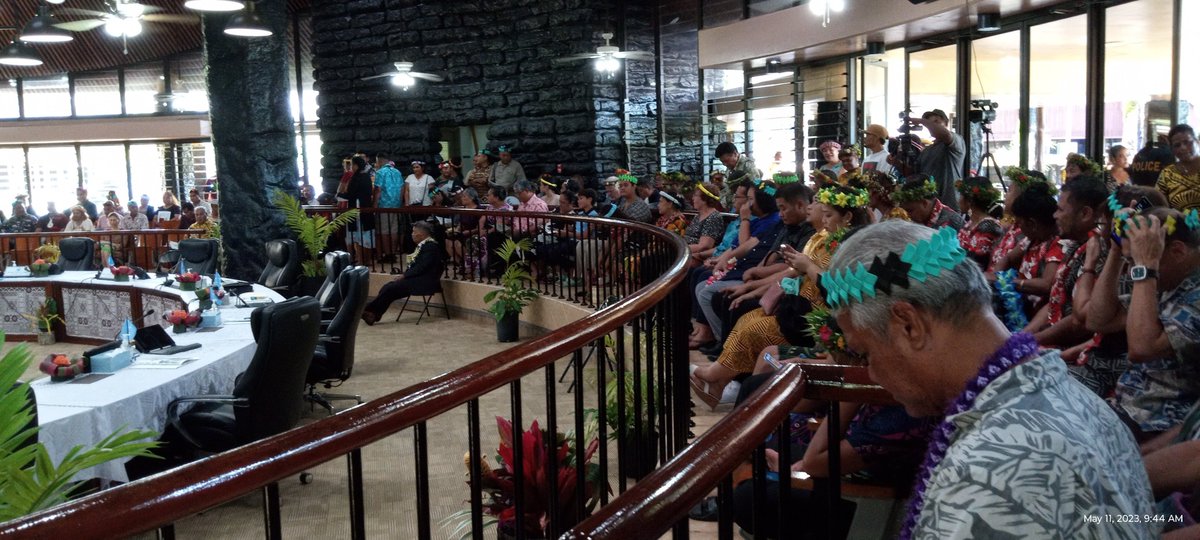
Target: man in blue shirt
387 188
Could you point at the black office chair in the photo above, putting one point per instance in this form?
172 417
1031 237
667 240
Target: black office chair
267 398
198 255
77 254
283 267
333 360
327 295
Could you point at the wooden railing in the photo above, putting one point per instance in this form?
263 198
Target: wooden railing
657 315
139 248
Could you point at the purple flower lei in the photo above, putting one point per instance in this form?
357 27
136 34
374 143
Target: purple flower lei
1016 348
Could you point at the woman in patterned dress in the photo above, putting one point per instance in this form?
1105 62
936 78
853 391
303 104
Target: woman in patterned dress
1008 251
1034 211
977 198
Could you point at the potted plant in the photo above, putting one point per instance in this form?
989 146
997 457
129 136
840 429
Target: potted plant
313 232
47 252
498 486
121 273
639 447
31 481
43 321
507 302
39 268
187 281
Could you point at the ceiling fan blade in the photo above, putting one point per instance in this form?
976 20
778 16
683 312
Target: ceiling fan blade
635 55
426 76
81 26
78 11
380 76
172 18
576 58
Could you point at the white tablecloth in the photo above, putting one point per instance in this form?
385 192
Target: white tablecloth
83 413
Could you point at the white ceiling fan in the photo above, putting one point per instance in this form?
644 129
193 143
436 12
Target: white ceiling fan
404 76
123 19
607 56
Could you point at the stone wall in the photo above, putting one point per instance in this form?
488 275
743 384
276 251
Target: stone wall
497 58
679 95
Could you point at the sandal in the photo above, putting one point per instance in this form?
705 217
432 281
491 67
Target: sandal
702 390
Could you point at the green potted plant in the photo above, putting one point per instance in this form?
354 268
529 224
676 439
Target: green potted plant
313 232
31 481
43 321
507 302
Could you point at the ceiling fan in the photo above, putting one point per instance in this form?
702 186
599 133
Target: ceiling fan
404 76
607 56
122 19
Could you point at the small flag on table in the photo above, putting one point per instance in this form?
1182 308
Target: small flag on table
128 330
216 286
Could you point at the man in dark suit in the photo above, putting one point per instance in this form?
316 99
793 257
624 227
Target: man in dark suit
422 277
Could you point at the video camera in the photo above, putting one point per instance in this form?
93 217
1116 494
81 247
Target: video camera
982 111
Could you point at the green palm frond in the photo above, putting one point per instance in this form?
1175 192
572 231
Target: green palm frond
29 478
313 231
513 295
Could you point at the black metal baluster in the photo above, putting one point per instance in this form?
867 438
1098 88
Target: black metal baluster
634 441
358 517
551 441
835 469
681 390
759 506
476 470
581 442
518 464
622 424
783 435
602 411
421 441
725 509
650 432
272 524
166 532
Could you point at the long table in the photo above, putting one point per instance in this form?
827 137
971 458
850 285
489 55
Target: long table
89 408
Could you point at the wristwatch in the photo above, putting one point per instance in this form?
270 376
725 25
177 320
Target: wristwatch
1141 273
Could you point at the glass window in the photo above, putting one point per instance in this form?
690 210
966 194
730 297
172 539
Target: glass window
933 81
719 12
306 73
882 90
47 97
724 90
97 94
1189 57
148 170
1137 108
1057 83
12 176
142 86
187 83
9 106
54 175
825 119
104 170
996 63
773 122
312 170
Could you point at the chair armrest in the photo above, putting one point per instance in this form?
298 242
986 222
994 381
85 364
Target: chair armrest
173 415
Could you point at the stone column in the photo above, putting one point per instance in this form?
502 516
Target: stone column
253 134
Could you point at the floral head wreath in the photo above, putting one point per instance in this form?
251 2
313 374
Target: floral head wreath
1086 165
765 186
856 198
625 176
870 182
1191 219
919 261
927 190
983 195
786 177
1023 179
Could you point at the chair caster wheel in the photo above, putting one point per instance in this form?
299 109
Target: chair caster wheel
306 478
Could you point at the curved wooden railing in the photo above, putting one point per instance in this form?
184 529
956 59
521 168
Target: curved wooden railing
140 248
162 499
661 500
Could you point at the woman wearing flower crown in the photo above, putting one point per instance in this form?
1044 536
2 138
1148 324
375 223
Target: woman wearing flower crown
1034 212
1007 252
977 198
881 186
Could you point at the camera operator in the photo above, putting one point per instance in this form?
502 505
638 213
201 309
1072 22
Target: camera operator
943 160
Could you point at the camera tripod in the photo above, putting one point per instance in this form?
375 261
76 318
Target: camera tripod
988 159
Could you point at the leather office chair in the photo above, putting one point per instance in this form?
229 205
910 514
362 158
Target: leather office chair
267 398
198 255
77 254
327 295
283 267
333 359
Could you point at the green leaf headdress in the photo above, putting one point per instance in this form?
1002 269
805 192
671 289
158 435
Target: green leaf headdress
919 261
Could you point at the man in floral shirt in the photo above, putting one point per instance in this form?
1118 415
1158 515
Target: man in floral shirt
1161 318
919 197
1078 209
20 222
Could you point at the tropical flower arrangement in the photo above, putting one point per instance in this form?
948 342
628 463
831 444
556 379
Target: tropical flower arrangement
39 268
48 252
206 296
927 190
841 199
121 273
181 319
61 367
498 485
188 280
